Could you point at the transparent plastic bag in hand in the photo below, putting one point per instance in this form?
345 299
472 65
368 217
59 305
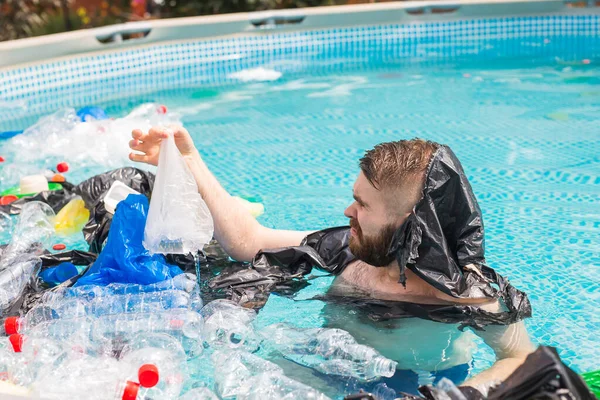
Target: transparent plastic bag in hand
179 221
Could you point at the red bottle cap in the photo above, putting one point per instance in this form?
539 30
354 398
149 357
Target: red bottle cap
2 159
12 325
17 342
148 375
59 247
162 109
62 167
131 390
6 200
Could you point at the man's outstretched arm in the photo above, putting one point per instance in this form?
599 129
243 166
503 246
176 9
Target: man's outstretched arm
238 232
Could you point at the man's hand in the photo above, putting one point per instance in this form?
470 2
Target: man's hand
148 144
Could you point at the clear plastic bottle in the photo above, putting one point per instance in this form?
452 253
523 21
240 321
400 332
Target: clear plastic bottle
14 278
226 324
84 377
140 303
161 363
185 282
242 375
330 351
32 234
45 312
233 368
183 324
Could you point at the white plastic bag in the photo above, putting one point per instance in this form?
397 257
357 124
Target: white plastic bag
179 221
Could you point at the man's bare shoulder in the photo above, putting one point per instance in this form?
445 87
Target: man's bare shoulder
360 279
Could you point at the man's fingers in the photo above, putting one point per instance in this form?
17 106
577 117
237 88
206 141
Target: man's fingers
139 157
134 144
137 134
157 134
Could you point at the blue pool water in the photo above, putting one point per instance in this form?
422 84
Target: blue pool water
525 130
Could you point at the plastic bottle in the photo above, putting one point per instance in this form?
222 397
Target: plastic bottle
242 375
330 351
82 376
140 303
31 235
14 278
185 282
184 325
72 217
233 368
226 324
160 361
45 312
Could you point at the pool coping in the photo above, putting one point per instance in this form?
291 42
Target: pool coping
30 51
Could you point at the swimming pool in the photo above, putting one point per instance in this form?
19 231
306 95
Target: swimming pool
285 117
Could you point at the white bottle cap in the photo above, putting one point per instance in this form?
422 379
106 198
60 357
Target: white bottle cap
117 192
33 184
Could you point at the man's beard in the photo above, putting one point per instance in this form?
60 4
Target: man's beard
372 250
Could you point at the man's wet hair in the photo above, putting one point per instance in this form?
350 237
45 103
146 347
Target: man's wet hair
391 164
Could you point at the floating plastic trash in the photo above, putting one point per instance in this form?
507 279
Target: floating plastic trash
72 217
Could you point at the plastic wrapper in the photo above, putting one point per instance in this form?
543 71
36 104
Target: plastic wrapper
179 221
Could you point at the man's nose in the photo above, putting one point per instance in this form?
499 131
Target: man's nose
350 212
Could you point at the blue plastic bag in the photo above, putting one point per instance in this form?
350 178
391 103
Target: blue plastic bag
124 259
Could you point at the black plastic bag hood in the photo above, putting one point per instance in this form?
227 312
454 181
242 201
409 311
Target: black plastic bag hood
444 233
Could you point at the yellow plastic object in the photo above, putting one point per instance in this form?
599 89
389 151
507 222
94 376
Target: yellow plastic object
256 209
72 217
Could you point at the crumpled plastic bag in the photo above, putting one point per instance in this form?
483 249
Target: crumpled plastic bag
124 259
179 221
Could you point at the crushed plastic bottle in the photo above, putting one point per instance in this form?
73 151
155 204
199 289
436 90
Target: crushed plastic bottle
72 217
45 312
233 368
78 376
14 278
160 361
226 324
12 368
140 303
182 324
242 375
329 351
32 233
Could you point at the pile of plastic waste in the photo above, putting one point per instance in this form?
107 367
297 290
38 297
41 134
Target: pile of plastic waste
123 321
